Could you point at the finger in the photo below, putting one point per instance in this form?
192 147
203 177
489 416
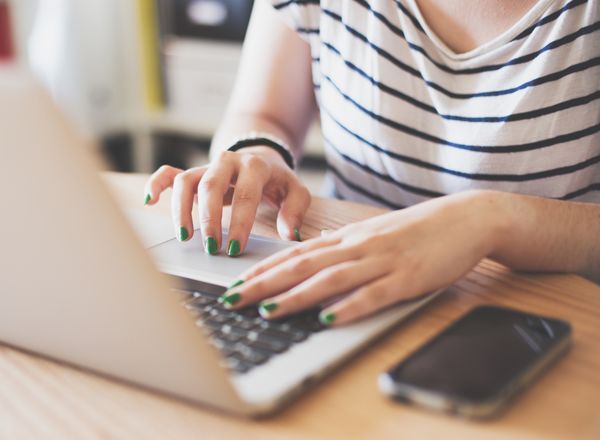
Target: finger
287 254
246 198
369 299
185 185
291 212
160 180
211 190
287 275
327 283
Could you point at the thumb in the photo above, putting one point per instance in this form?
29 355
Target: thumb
292 211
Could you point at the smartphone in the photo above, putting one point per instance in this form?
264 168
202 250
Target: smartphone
475 365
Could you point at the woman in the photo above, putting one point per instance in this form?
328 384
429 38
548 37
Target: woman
476 122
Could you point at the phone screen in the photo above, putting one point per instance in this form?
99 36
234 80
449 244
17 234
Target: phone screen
481 353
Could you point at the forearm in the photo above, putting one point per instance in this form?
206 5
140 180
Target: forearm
538 234
273 92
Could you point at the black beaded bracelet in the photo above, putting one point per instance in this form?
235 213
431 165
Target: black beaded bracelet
262 141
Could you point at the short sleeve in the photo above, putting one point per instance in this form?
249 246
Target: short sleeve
301 15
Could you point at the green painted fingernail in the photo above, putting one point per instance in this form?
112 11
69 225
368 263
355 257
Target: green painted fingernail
210 245
229 299
235 284
297 234
147 199
326 318
234 248
183 234
266 308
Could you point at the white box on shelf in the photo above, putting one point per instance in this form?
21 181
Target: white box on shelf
199 77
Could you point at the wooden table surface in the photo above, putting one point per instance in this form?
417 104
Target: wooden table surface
44 399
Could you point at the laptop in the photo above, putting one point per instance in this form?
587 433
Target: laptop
78 286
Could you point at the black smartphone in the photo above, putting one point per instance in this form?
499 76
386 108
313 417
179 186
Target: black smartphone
475 365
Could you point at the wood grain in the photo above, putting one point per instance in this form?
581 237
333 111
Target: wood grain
44 399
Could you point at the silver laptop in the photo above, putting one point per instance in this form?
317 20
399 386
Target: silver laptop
77 285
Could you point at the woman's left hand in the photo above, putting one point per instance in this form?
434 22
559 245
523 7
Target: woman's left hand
380 261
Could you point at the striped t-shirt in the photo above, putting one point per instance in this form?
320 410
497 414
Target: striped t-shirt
405 119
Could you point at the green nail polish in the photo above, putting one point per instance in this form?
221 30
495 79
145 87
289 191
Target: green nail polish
210 245
267 308
297 234
234 248
183 234
230 299
147 199
235 284
327 318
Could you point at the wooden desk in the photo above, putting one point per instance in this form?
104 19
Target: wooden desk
43 399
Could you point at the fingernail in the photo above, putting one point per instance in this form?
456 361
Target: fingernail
266 308
235 284
234 248
229 299
326 318
210 245
183 234
147 199
297 234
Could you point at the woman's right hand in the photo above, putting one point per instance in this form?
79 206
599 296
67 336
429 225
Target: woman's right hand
242 178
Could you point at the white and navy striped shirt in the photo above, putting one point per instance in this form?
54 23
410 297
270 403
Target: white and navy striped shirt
405 119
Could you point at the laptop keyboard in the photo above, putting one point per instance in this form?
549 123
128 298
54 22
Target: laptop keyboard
243 337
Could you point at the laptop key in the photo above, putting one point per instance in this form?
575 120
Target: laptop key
211 325
291 335
202 300
260 321
265 342
283 327
227 350
223 342
307 323
216 317
202 310
249 312
213 296
227 337
236 364
253 356
227 313
228 329
243 324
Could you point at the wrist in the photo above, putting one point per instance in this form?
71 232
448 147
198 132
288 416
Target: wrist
254 139
493 217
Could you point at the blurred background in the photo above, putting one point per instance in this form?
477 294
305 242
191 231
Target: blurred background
149 80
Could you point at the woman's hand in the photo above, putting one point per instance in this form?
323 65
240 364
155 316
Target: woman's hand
391 257
242 178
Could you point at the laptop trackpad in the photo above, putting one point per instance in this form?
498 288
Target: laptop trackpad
189 260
